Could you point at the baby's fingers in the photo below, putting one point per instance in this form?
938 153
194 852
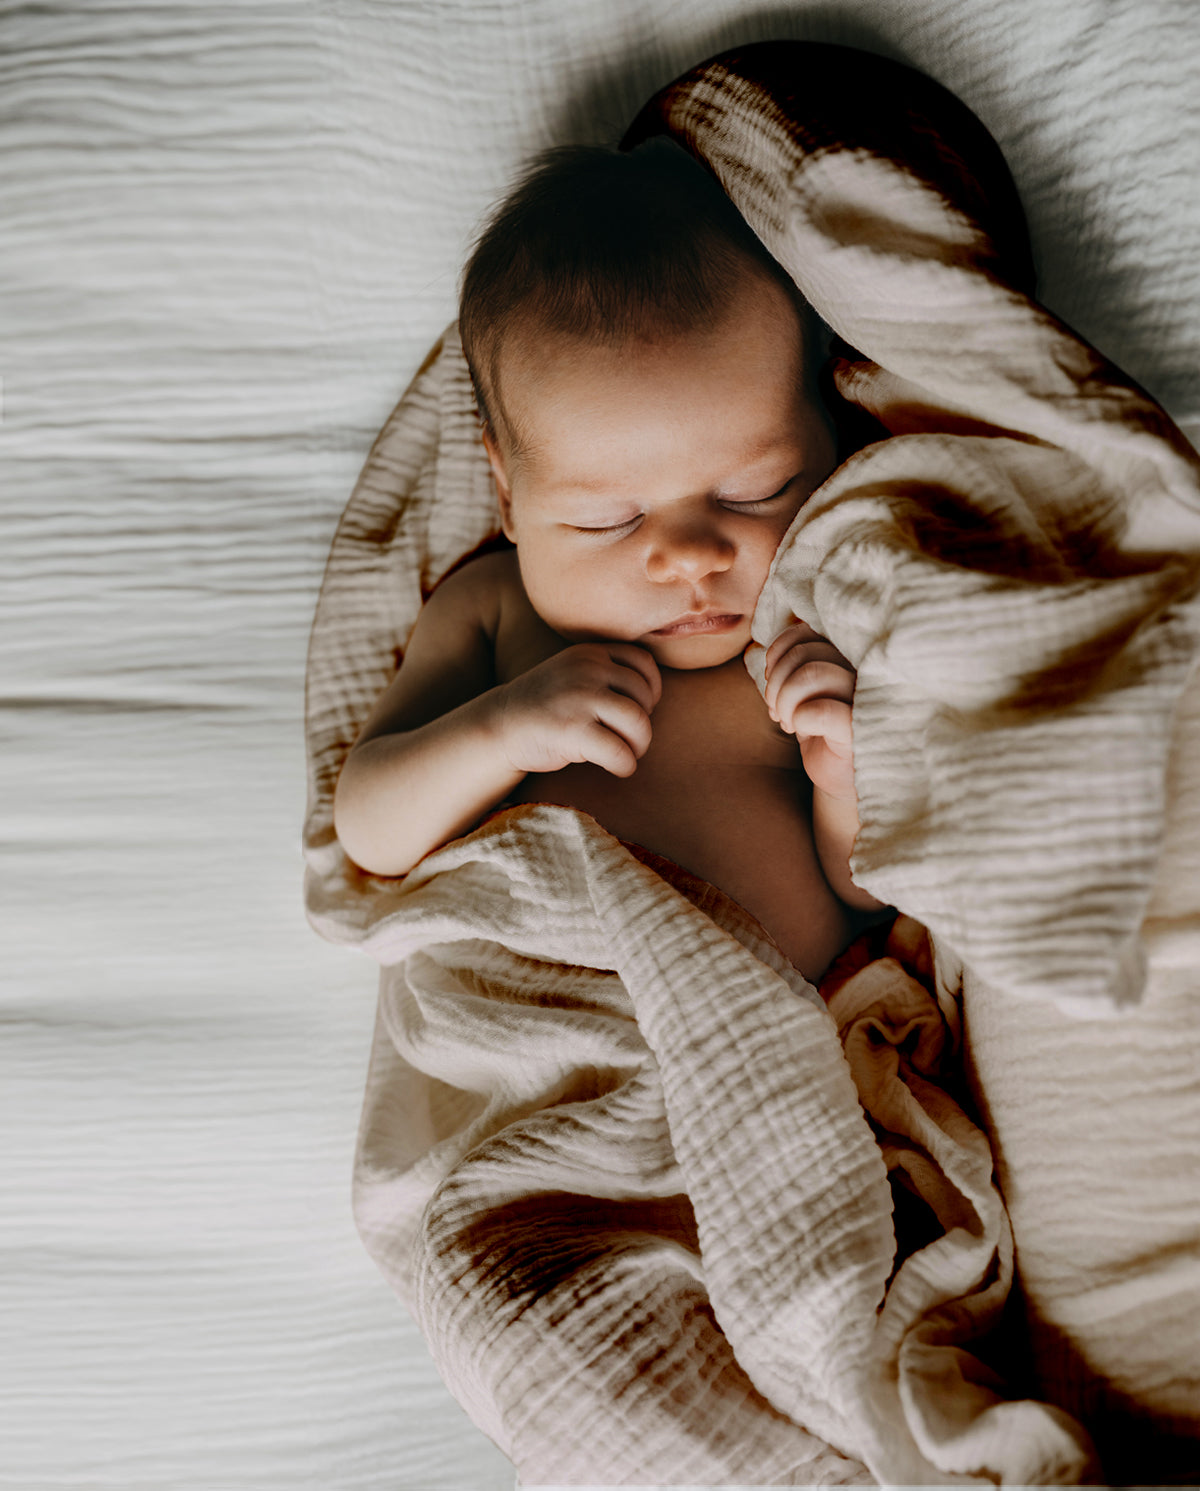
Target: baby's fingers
802 639
604 747
638 675
812 683
800 678
798 632
789 656
831 719
624 720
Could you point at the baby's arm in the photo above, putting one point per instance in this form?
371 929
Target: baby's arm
810 686
445 743
427 764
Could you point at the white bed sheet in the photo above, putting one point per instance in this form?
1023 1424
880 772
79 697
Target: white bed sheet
228 238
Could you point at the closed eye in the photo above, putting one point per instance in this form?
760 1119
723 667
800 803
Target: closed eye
751 505
611 528
754 504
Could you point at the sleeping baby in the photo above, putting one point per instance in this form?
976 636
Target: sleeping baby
646 380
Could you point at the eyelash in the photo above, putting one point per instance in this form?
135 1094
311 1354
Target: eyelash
745 507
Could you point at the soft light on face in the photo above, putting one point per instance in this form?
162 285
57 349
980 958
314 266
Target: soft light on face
657 478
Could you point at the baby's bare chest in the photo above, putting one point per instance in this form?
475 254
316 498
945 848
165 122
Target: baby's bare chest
721 791
717 774
709 723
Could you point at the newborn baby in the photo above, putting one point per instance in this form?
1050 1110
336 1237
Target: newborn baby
645 375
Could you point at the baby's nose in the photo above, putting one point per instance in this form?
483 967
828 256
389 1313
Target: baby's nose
688 552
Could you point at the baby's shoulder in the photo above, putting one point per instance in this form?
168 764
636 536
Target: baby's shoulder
486 595
480 587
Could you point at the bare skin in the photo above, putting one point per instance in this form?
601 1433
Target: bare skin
721 790
600 666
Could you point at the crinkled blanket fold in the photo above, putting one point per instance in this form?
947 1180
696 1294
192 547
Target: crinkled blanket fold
629 1170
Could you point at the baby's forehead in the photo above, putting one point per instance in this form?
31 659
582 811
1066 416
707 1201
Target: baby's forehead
546 378
530 347
544 319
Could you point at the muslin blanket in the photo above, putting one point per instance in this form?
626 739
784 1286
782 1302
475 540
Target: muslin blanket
628 1169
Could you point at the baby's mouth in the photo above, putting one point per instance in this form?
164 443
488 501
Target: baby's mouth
698 622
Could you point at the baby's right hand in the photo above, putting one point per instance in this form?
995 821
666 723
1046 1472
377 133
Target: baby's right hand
590 702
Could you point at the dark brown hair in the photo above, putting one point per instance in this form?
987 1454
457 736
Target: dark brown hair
608 247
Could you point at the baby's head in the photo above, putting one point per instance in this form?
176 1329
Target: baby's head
645 374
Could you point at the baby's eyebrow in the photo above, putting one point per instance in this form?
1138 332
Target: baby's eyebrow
583 487
761 449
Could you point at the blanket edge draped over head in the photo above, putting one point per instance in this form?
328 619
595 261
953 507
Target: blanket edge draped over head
1029 492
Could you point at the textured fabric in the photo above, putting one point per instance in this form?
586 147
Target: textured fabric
614 1160
1096 1129
613 1154
1014 575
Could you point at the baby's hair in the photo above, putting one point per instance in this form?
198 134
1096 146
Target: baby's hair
608 247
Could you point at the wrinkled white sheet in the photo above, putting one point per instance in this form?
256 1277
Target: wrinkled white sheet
229 238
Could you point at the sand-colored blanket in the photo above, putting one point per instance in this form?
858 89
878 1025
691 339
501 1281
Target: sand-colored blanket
616 1153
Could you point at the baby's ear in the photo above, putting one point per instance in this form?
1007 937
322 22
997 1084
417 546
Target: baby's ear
500 474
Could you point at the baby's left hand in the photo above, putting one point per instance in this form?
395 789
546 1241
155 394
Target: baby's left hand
809 689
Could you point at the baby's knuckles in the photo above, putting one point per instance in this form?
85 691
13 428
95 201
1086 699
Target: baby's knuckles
546 715
797 632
